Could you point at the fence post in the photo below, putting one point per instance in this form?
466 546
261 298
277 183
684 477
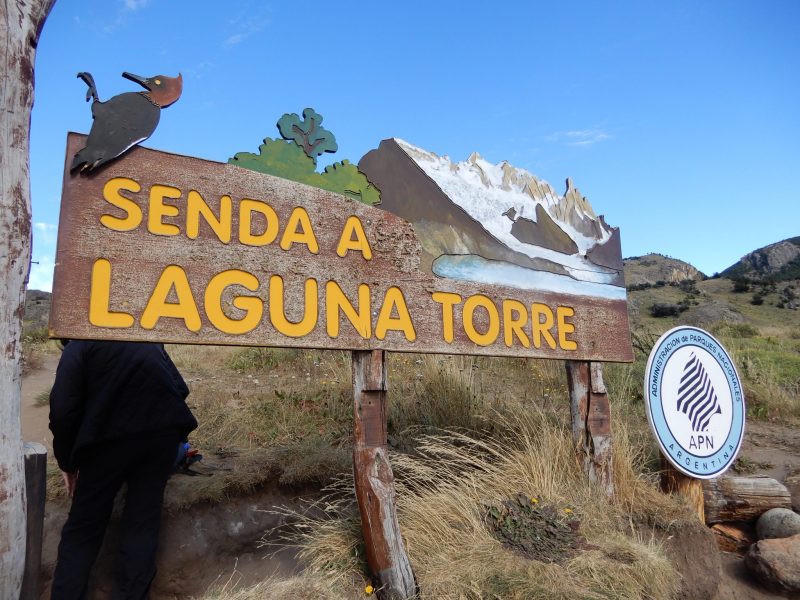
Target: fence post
36 491
374 480
591 422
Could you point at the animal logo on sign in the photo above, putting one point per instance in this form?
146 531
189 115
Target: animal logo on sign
697 398
124 120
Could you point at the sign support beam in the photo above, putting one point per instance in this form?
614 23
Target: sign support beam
675 482
374 480
591 422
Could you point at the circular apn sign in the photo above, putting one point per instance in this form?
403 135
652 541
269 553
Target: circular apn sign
694 402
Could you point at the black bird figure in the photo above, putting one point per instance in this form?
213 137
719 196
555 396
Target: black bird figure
124 120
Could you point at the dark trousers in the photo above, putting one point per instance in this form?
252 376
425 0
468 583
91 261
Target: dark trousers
144 464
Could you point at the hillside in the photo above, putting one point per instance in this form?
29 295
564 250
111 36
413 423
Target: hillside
777 262
37 309
652 268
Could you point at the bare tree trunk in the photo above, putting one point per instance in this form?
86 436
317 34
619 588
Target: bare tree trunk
20 24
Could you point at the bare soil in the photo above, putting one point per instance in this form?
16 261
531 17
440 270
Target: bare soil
209 544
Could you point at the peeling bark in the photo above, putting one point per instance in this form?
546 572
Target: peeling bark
591 423
20 24
374 480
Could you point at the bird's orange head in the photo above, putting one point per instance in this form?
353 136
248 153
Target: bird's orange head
162 90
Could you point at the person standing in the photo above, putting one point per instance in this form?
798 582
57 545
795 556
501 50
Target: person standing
117 413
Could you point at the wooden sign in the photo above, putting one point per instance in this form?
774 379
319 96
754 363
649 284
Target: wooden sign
161 247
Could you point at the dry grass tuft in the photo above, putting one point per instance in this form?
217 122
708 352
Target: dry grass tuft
442 495
305 587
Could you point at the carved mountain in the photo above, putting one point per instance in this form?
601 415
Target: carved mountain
443 226
472 212
776 262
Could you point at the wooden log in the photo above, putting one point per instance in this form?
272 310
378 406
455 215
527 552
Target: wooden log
374 480
743 498
591 422
734 537
20 25
36 492
691 488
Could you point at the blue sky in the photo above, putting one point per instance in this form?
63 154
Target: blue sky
678 120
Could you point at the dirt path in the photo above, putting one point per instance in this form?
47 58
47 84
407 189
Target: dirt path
35 418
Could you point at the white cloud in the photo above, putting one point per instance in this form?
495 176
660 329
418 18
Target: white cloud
45 233
41 277
235 39
44 251
134 5
579 137
245 25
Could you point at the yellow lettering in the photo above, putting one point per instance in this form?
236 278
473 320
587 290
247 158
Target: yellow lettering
335 300
360 243
158 210
394 300
133 214
515 317
252 306
99 298
246 236
482 339
278 316
562 312
173 277
541 328
196 206
447 300
298 230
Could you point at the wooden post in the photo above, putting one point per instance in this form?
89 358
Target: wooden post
374 480
675 482
591 422
20 25
36 491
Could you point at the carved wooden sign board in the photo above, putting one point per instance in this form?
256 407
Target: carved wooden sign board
169 248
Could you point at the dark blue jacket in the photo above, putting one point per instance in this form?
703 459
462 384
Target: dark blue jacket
106 391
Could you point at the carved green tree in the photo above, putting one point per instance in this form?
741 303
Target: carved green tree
308 133
295 159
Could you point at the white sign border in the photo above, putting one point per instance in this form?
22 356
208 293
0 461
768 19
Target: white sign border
648 398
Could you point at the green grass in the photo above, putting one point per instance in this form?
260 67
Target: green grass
764 341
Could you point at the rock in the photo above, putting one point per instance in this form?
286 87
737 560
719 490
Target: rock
792 483
777 523
776 562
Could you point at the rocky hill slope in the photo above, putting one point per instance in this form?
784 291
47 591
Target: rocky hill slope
652 268
776 262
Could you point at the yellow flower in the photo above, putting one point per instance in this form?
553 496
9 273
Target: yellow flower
369 589
568 510
534 501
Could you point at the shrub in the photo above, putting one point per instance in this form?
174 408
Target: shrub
740 286
665 309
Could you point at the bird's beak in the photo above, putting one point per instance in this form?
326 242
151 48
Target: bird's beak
142 81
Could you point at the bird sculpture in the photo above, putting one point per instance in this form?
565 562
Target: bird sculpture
125 120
